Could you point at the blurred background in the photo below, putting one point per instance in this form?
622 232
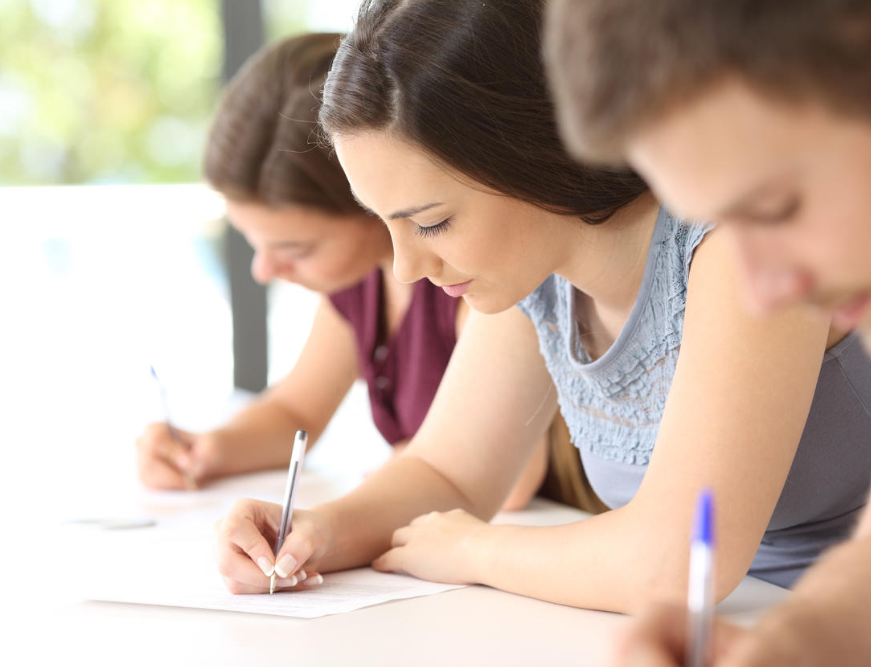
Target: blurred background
113 255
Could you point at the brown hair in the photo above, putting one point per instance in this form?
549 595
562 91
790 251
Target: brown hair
617 65
464 80
263 145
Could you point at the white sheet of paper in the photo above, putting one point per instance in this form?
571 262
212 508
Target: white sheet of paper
341 592
173 565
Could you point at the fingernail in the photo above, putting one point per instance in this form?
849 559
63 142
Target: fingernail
264 564
285 566
312 581
302 575
290 583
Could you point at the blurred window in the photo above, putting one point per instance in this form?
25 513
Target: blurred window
111 253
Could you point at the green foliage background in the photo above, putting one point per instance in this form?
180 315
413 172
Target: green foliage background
113 91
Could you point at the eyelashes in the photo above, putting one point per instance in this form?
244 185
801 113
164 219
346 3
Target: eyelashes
784 214
433 230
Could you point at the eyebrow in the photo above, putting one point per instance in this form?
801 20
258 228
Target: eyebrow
397 215
736 209
289 244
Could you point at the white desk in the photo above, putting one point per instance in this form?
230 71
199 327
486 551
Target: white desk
470 626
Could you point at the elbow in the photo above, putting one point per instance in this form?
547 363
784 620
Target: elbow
668 582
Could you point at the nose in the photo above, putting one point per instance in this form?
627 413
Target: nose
262 267
412 260
770 279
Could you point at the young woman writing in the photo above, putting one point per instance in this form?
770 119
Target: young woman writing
290 199
628 317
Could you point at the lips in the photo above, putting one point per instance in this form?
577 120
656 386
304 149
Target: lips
848 315
457 290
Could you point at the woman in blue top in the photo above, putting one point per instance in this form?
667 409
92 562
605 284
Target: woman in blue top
629 318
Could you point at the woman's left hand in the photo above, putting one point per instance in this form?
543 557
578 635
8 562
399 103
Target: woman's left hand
437 547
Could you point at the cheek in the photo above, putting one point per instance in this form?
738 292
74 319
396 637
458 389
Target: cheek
333 269
837 239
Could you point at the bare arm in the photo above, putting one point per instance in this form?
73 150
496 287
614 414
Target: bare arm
307 398
493 406
734 417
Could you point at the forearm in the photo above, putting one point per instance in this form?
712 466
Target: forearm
530 480
611 562
259 438
362 522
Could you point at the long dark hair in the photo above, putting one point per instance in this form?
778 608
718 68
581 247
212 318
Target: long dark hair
263 145
464 79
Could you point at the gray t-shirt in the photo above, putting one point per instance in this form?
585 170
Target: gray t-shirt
613 406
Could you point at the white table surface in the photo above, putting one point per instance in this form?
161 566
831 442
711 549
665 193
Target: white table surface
469 626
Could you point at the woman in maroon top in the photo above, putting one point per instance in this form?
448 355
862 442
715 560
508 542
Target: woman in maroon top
288 196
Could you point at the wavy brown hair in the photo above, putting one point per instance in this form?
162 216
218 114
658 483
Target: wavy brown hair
464 79
263 144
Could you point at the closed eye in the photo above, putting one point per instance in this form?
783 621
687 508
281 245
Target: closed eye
784 213
433 230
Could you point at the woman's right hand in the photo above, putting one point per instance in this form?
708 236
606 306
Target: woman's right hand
169 458
243 548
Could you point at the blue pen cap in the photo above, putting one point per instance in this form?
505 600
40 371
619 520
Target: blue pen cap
704 527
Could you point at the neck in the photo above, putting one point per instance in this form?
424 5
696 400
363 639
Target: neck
606 262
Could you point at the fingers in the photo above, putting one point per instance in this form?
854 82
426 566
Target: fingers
423 518
743 648
164 459
301 582
401 536
390 561
726 637
298 547
243 552
656 638
637 652
243 548
157 473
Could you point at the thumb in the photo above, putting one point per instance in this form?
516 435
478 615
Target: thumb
298 547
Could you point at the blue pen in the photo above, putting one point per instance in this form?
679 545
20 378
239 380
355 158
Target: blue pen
700 600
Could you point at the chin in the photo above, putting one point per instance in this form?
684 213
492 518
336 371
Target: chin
488 305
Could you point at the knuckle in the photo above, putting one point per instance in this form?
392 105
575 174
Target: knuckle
306 546
230 528
235 587
241 506
225 566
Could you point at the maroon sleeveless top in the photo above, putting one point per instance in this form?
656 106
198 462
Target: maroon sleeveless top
402 373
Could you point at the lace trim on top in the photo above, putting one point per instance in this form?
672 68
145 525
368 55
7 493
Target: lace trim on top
613 405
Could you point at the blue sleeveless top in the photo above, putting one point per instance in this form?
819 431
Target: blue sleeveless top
613 406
